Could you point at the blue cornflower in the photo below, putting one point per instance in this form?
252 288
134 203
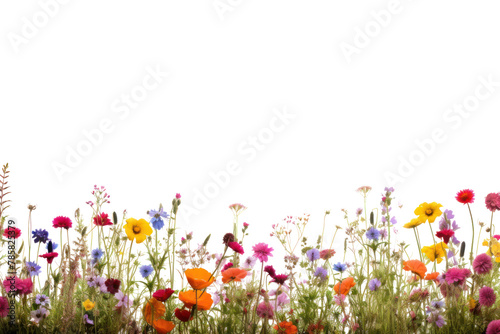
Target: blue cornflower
40 236
313 254
156 218
373 234
340 267
97 254
54 245
146 270
374 284
321 273
33 268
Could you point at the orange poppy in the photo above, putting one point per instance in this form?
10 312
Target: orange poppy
431 276
415 266
189 299
345 286
233 274
286 327
159 310
163 326
199 278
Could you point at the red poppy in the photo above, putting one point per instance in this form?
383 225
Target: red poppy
445 235
233 274
465 196
183 315
345 286
49 256
163 294
415 266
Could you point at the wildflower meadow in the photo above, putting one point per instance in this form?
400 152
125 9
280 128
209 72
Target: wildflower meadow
120 274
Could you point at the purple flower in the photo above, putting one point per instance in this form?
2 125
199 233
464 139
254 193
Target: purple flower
86 319
156 218
40 236
42 300
340 267
383 233
394 221
249 262
374 284
33 268
373 234
321 273
313 254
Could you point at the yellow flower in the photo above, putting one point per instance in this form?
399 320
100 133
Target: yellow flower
88 305
435 252
428 211
472 304
495 248
137 229
413 223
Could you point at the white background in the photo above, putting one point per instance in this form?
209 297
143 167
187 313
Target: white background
355 116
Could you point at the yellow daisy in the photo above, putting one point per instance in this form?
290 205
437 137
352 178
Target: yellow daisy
88 305
413 223
429 212
435 252
137 229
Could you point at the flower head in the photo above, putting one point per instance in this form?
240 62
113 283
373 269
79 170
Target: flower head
373 233
157 218
249 262
4 306
340 267
413 223
493 202
123 300
416 267
62 222
233 275
199 278
280 279
163 326
235 246
113 285
97 253
374 284
445 235
313 254
102 220
435 252
146 270
345 286
11 232
465 196
457 275
270 271
88 305
326 254
182 315
286 327
153 310
163 294
321 272
428 212
190 297
40 236
33 268
262 251
493 327
265 310
42 300
482 264
137 229
49 256
487 296
39 314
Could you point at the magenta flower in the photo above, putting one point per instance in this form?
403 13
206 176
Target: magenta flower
262 251
493 327
493 202
280 279
325 254
4 307
487 296
264 310
236 247
270 271
482 264
62 222
457 275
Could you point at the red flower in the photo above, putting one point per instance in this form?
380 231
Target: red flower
465 196
280 279
102 220
183 315
49 256
236 247
445 235
63 222
113 285
493 202
12 232
163 295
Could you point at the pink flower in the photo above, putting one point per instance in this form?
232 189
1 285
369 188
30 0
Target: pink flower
245 225
493 327
178 196
62 222
482 264
236 247
339 299
23 286
493 202
262 251
4 307
264 310
457 275
487 296
102 220
11 232
325 254
227 266
49 256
